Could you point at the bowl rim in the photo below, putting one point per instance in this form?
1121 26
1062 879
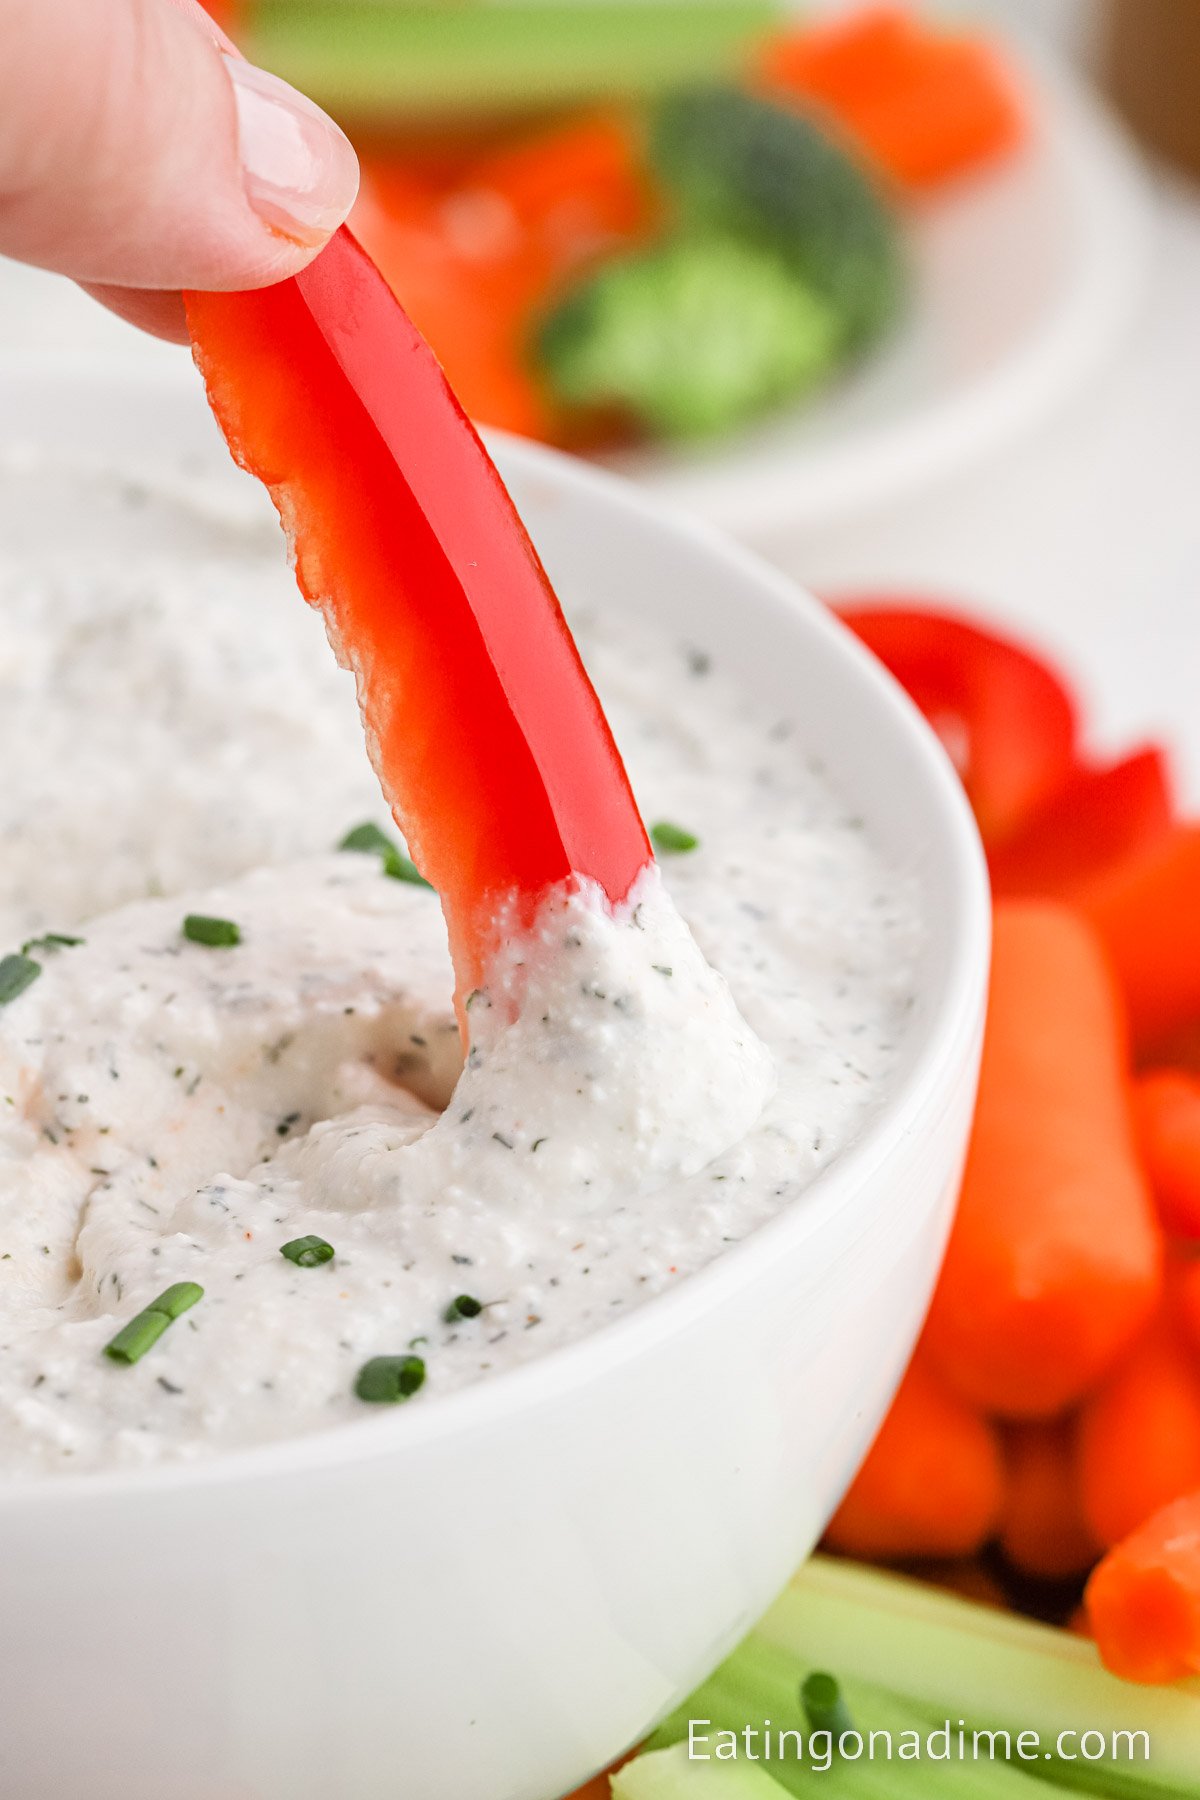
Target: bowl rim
947 1038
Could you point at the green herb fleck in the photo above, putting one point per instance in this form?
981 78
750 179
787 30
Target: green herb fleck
218 934
372 842
673 840
662 969
307 1252
463 1306
824 1705
17 972
387 1380
52 941
401 869
143 1332
369 839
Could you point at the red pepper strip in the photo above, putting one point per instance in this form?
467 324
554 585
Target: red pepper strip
1005 718
1098 817
1147 910
485 731
1166 1118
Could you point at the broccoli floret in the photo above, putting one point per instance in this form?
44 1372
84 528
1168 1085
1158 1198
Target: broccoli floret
690 338
744 165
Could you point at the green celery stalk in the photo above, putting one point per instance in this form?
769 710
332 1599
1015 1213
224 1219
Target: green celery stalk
396 63
951 1659
669 1775
761 1682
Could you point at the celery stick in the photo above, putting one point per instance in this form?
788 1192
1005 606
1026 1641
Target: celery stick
951 1659
761 1683
671 1775
426 61
758 1683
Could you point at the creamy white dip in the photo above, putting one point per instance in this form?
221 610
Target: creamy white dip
170 1111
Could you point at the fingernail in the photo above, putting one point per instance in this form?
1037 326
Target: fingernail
300 171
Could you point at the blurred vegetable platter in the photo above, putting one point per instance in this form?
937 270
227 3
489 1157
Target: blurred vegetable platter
622 219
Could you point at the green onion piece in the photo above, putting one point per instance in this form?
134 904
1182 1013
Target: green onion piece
825 1705
50 942
672 839
367 838
386 1380
373 842
307 1252
218 934
463 1306
17 972
143 1331
401 869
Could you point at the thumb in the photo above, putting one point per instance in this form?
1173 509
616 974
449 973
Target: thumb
135 153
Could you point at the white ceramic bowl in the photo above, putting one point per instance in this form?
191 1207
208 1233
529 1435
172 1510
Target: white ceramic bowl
488 1597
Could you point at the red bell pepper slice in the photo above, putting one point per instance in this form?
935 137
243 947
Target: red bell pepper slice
485 731
1098 817
1147 910
1005 718
1166 1117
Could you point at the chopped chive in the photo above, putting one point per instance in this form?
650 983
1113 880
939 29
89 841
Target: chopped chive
463 1306
672 839
144 1330
401 869
369 839
373 842
50 942
307 1252
218 934
17 972
386 1380
824 1705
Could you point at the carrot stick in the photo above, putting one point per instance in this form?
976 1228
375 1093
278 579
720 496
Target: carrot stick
1166 1115
600 1786
1144 1599
1054 1262
1148 913
1043 1532
932 1483
1139 1436
921 104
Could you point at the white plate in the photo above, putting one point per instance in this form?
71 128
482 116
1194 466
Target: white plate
1024 278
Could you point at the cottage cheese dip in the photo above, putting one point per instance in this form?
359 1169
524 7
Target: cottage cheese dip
640 1091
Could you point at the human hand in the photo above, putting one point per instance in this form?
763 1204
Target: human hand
140 155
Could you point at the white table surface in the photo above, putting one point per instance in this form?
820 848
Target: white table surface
1086 535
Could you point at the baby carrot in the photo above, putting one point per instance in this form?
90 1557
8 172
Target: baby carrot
923 105
932 1483
1144 1599
1042 1532
600 1786
1148 913
1166 1116
1054 1262
1139 1435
